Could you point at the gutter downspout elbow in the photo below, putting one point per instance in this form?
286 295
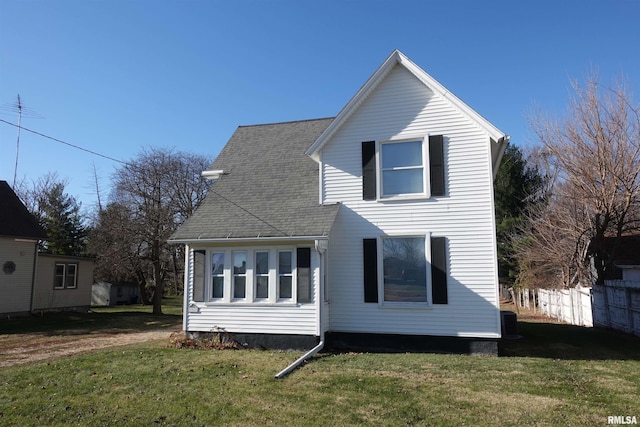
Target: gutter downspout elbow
300 360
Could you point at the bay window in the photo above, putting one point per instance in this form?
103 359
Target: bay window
261 275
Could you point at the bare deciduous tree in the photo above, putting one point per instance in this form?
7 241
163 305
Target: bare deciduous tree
151 196
593 158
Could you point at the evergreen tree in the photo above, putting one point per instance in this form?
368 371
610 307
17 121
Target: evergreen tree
59 215
516 190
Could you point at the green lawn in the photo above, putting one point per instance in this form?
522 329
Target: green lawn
555 375
122 317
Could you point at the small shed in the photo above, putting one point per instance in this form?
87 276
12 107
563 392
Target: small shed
63 283
118 293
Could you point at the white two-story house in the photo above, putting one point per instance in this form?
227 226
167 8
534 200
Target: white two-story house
373 229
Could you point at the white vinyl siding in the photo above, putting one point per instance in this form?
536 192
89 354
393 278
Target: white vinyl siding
16 288
401 108
77 292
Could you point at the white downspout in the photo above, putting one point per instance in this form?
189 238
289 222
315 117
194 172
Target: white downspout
299 362
321 248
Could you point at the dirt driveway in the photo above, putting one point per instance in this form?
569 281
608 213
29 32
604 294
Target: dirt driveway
22 348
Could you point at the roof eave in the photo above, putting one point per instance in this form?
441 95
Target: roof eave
246 239
353 103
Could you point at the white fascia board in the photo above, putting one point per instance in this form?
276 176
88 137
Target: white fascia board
247 239
353 104
212 174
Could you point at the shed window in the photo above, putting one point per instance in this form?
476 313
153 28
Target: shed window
65 276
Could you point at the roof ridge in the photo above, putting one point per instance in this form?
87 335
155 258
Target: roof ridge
287 122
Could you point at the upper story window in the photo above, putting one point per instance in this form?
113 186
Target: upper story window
411 168
402 168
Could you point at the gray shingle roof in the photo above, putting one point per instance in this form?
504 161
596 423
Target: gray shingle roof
269 187
15 219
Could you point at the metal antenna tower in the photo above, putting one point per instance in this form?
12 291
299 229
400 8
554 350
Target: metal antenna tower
15 170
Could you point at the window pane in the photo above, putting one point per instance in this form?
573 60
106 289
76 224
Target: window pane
218 287
262 262
239 274
58 280
70 279
239 287
284 262
285 287
401 154
199 272
404 266
404 181
303 266
262 287
239 263
217 263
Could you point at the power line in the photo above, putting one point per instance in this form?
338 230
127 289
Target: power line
64 142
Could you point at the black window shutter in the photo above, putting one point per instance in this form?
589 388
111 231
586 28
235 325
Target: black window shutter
370 255
303 260
199 273
436 164
439 270
369 170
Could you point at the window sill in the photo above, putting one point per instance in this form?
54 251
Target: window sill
405 305
250 304
405 198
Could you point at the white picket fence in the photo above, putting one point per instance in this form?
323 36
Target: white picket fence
567 305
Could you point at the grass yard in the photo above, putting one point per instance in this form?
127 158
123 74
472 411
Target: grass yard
555 375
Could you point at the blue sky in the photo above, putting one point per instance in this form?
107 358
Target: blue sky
117 76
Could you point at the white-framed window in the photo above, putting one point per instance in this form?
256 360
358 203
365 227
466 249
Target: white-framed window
217 275
285 275
404 267
408 270
65 276
403 168
259 274
239 274
261 269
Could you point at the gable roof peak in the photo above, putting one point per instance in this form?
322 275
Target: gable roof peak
398 58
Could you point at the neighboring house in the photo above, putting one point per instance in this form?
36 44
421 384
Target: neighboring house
109 294
372 229
29 280
19 235
626 256
63 283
